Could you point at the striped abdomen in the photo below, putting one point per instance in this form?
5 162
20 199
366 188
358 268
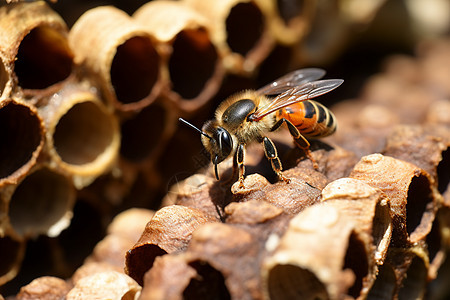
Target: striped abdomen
311 118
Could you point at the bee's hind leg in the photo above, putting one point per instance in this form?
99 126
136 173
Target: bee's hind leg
299 140
271 153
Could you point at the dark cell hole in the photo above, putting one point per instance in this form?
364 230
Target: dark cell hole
142 133
3 77
209 284
20 135
443 171
384 285
38 261
289 9
44 58
433 239
135 69
244 27
413 285
356 260
438 288
9 251
287 282
83 133
86 229
419 195
192 62
139 260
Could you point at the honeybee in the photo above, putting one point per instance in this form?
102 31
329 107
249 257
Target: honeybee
245 117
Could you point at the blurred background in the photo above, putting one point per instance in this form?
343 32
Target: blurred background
350 39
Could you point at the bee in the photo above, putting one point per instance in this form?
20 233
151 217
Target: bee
247 116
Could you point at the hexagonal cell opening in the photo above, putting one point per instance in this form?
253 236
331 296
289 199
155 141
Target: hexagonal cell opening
83 133
39 202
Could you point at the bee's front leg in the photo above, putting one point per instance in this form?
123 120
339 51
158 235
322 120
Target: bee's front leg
238 164
239 159
271 153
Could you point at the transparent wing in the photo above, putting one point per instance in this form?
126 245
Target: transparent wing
299 93
291 80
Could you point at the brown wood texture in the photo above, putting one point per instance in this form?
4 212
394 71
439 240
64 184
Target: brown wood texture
91 121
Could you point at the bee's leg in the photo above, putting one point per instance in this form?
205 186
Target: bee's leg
240 163
299 139
271 153
231 179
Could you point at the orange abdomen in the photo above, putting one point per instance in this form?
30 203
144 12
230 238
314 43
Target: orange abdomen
311 118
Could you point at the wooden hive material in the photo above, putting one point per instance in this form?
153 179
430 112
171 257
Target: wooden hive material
195 191
82 134
190 59
240 31
368 207
41 203
22 139
169 230
5 81
413 197
119 56
129 223
423 148
301 193
123 232
93 267
34 48
105 285
176 267
12 252
230 255
221 261
319 257
46 287
111 250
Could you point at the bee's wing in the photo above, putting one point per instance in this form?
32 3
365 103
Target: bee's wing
291 80
297 94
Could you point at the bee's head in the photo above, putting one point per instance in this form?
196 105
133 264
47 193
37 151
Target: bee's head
216 140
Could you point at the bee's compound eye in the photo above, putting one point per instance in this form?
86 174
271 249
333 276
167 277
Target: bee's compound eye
225 142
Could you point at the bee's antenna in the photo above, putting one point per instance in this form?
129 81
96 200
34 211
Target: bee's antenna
193 127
